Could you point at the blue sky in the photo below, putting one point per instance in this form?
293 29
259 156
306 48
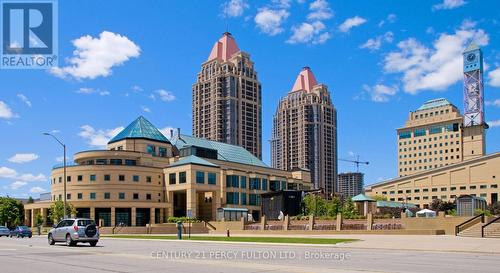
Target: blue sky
379 59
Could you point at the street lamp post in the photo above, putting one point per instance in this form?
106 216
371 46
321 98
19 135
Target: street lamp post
64 170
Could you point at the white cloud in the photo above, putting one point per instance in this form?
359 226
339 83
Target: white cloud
37 190
145 109
95 57
5 111
61 159
494 123
32 178
165 95
436 68
7 172
391 18
88 91
380 92
100 137
18 184
320 10
137 88
269 21
234 8
493 103
374 44
24 99
309 32
351 22
166 131
494 78
449 4
28 177
23 158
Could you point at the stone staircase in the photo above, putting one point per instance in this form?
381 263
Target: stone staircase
473 231
492 231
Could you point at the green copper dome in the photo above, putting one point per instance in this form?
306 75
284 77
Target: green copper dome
140 128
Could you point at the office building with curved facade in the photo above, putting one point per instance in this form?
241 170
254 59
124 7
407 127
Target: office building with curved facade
143 177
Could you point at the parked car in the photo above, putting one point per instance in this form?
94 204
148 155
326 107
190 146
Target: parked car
21 232
73 231
4 231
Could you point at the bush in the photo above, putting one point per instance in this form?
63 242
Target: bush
172 219
480 211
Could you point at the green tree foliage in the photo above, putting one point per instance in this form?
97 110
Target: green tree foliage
11 211
38 220
30 200
440 205
318 206
57 210
379 197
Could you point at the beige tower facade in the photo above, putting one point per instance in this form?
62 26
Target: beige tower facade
227 98
305 132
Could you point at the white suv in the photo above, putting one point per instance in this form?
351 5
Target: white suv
74 230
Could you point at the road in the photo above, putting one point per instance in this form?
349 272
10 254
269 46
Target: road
121 255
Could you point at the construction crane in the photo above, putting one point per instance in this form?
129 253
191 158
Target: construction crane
357 162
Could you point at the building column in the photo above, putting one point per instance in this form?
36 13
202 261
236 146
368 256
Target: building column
32 222
113 222
162 215
26 216
133 216
216 203
170 200
152 215
92 213
191 201
43 213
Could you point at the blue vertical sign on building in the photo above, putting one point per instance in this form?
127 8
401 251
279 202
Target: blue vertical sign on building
28 32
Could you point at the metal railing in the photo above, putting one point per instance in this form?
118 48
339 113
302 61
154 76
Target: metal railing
457 228
489 223
208 225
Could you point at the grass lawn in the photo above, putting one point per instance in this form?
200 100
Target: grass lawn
287 240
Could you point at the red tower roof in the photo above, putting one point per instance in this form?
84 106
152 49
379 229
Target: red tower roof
224 48
305 80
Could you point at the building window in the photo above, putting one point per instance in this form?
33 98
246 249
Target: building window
425 190
135 178
254 199
255 184
79 195
92 195
483 187
151 149
148 196
130 162
171 179
453 188
136 196
200 177
494 186
443 189
60 179
405 134
232 198
68 178
68 196
182 177
434 189
148 179
107 177
79 178
243 198
212 178
101 162
92 177
121 177
121 195
232 181
115 161
472 187
419 132
264 184
162 152
462 188
107 195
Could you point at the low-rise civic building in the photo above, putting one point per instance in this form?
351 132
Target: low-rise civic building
143 177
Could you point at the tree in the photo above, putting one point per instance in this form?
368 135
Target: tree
315 205
30 200
57 210
349 209
11 211
440 205
379 197
494 208
38 220
333 207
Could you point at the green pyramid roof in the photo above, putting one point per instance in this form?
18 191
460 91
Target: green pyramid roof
140 128
434 103
361 198
192 159
225 152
